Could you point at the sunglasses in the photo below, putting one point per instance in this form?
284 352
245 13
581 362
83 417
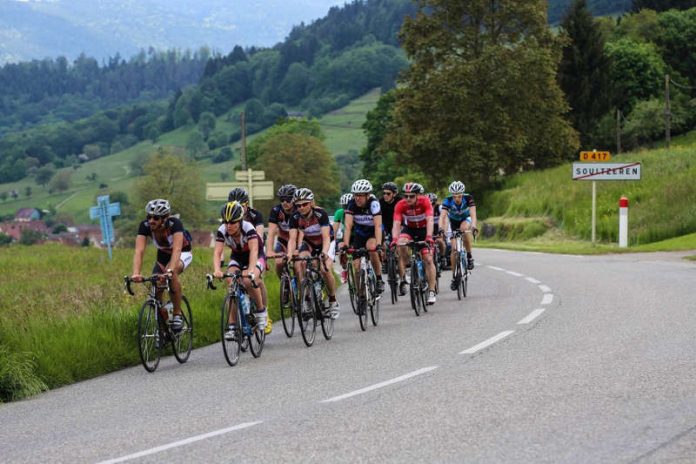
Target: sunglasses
388 193
302 205
409 196
156 218
359 195
286 199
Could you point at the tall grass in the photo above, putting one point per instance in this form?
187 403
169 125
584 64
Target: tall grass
64 314
662 203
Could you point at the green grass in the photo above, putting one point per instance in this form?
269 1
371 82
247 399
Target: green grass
662 204
342 129
72 320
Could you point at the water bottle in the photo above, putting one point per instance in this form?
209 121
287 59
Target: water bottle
317 288
169 307
244 303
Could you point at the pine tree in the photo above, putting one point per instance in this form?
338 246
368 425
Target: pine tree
584 69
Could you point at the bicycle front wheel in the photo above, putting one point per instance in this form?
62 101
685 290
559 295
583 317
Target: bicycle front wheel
150 337
374 307
183 340
352 289
362 301
256 341
457 278
464 274
287 306
415 289
307 315
232 342
392 277
327 323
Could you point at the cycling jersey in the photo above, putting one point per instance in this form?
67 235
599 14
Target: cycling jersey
240 245
458 212
254 216
281 218
172 225
364 217
416 216
388 212
312 226
338 218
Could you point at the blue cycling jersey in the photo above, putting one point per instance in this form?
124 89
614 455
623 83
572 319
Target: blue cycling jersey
458 212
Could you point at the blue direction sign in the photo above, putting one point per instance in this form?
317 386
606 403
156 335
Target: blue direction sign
105 212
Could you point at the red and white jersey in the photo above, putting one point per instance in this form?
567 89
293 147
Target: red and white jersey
416 216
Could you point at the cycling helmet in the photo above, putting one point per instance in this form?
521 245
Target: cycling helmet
345 199
232 212
287 190
432 197
390 186
412 187
158 207
238 194
456 188
361 186
302 194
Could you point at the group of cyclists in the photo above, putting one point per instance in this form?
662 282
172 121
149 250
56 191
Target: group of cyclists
297 227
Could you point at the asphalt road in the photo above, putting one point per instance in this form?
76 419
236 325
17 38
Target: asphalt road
551 358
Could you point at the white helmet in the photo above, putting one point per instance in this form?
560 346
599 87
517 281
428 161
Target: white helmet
456 188
302 194
361 186
345 199
158 207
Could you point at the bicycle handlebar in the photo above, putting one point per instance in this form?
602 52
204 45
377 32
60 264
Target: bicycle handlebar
151 279
309 259
235 275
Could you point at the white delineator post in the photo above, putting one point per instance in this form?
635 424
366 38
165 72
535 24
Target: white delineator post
623 222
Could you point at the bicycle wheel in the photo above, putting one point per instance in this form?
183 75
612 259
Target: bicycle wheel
307 315
457 278
415 289
363 299
149 337
287 306
183 340
351 288
465 275
257 338
327 323
374 307
392 277
423 287
231 348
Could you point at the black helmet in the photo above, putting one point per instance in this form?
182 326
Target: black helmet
232 212
238 194
287 190
432 197
390 186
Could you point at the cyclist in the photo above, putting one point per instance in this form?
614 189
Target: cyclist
339 227
173 245
364 226
416 212
246 256
255 217
439 240
460 210
279 224
390 198
317 237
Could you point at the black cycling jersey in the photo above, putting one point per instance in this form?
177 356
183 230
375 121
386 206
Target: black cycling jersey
172 225
388 212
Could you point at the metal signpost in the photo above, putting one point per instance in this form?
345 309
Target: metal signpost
105 211
601 170
252 181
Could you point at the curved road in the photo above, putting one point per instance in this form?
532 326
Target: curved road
551 358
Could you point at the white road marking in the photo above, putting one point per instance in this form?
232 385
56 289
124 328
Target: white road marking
496 268
516 274
488 342
548 298
533 315
532 280
380 385
545 288
181 443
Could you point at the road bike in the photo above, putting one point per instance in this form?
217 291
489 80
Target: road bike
314 302
419 281
364 287
246 329
289 296
461 272
392 263
154 329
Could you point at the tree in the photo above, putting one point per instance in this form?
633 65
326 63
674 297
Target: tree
27 191
206 124
61 181
195 145
663 5
302 160
30 237
171 177
44 174
5 239
309 127
584 70
481 96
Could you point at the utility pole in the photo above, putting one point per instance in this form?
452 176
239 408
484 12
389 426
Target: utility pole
668 114
618 131
242 124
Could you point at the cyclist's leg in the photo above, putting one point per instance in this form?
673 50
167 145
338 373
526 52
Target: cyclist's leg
468 241
184 261
303 252
453 254
232 267
279 248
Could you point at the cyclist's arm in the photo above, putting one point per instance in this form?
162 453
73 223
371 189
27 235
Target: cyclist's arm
429 226
253 254
272 232
444 217
378 229
217 257
472 213
325 240
396 228
292 242
177 244
140 242
348 229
